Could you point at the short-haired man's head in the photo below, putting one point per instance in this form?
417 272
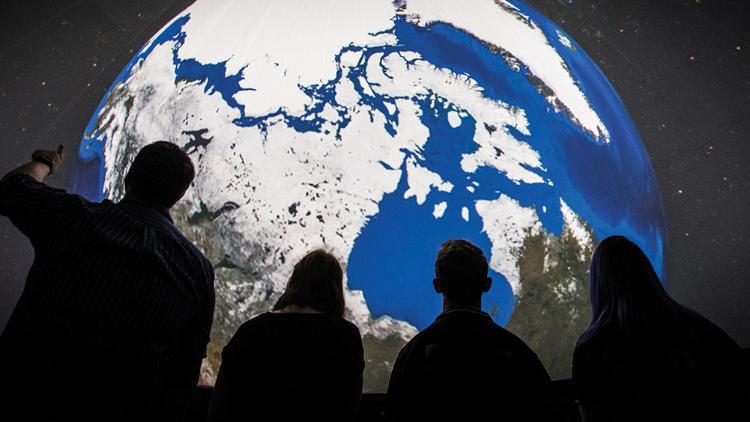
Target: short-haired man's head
317 282
160 174
461 271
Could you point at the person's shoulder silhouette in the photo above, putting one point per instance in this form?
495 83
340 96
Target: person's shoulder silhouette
645 355
464 366
118 303
303 361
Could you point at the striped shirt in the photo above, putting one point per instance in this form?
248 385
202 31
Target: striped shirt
118 305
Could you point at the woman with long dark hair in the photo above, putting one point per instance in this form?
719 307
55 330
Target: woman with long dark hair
646 357
302 361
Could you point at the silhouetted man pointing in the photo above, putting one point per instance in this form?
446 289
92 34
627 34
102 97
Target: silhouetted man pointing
117 308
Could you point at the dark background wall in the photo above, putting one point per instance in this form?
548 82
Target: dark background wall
682 67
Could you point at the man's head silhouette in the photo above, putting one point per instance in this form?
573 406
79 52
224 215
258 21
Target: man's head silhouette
461 274
159 175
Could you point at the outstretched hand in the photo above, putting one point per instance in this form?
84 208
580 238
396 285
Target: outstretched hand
53 158
44 162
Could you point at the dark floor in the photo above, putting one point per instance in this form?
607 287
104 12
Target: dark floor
371 409
681 67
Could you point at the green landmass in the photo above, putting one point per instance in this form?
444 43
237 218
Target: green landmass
234 284
380 355
553 307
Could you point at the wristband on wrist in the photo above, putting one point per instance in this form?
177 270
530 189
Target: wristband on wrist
46 161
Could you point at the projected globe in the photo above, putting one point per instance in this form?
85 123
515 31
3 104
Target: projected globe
378 130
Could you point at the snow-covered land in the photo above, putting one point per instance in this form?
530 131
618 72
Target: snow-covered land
324 120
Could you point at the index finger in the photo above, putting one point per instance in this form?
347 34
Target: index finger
61 151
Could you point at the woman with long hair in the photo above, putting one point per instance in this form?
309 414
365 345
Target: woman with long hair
302 361
646 357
